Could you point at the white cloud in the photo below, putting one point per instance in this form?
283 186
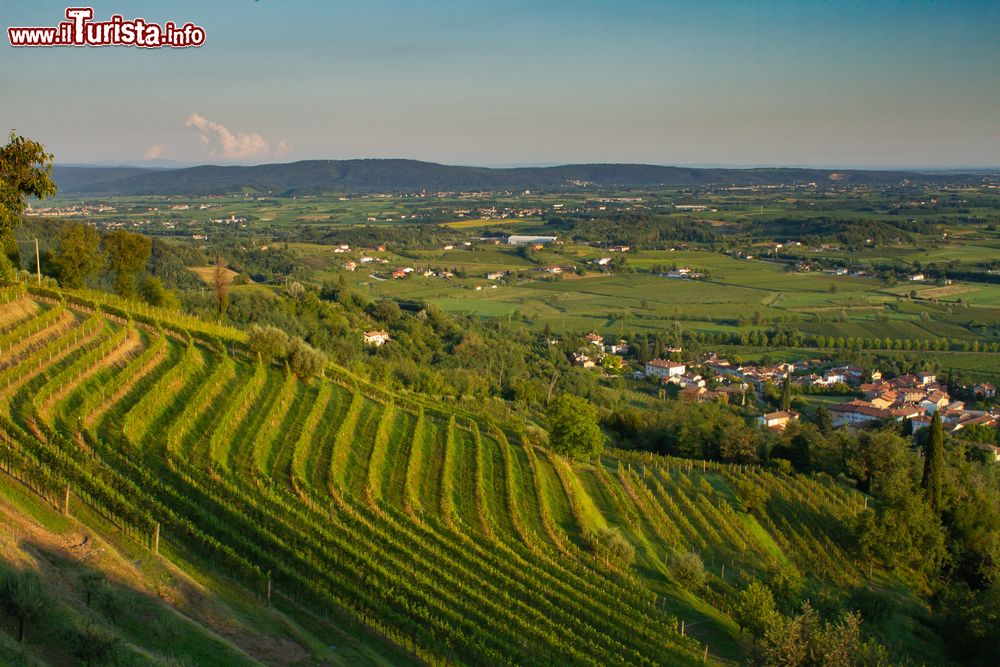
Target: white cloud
220 142
155 151
282 149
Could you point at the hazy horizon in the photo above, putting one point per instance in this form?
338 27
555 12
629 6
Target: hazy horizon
882 85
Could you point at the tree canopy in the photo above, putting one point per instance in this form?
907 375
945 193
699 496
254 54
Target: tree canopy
25 171
127 255
573 427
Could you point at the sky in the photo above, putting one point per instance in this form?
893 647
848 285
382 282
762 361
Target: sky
503 82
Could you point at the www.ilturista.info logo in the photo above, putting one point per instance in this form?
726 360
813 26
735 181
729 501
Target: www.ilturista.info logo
79 30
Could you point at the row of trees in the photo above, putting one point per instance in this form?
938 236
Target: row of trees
83 253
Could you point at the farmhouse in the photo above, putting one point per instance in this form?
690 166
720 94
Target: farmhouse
595 339
376 338
778 420
661 368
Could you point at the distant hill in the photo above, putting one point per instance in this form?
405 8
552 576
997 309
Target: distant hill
317 176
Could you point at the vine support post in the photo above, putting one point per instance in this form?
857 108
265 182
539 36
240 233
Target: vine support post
65 502
156 539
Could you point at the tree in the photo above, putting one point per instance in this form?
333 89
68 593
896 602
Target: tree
738 442
304 360
113 603
573 427
78 256
786 393
755 610
268 342
934 463
611 545
23 597
94 644
806 641
93 583
823 421
127 255
689 570
25 171
153 292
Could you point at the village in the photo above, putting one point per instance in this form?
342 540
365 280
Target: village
869 397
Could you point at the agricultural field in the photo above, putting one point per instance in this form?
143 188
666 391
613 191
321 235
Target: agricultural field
391 528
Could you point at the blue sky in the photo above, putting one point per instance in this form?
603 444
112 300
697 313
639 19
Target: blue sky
507 82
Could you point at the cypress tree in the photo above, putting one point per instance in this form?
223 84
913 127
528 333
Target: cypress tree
934 463
823 421
786 394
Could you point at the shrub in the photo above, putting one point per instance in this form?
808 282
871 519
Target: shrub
689 570
304 360
612 545
268 342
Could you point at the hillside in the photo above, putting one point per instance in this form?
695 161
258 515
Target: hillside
316 176
388 528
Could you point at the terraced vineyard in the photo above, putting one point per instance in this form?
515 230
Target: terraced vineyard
438 531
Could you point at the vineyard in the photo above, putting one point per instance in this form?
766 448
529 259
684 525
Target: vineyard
447 535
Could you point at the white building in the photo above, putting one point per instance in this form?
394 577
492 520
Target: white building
530 240
662 368
377 338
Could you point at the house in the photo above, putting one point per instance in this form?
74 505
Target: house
661 368
854 413
915 278
926 378
530 240
583 360
496 275
992 451
621 347
985 389
601 261
700 395
619 248
553 269
449 247
376 338
778 420
350 265
399 273
595 339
